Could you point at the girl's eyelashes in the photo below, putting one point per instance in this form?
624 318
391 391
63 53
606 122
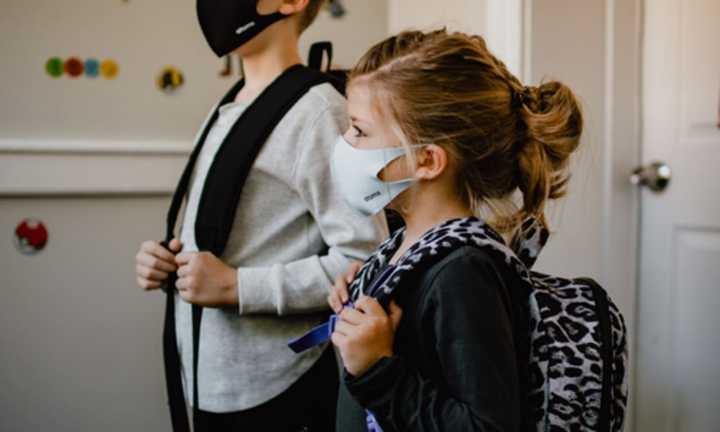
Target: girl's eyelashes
358 132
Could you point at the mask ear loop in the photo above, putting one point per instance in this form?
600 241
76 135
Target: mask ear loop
404 209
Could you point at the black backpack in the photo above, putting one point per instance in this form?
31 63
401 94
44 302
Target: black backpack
221 194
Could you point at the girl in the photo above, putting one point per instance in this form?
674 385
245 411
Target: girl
433 332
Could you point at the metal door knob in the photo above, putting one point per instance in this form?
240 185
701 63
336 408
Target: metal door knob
655 176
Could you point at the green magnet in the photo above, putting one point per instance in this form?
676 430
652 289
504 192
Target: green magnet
55 67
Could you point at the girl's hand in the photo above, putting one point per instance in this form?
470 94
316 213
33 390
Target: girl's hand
365 334
339 291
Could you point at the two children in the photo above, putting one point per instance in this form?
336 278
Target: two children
439 129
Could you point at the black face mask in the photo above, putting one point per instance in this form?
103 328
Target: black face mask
228 24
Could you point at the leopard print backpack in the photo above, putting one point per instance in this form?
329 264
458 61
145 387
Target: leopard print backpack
578 352
578 347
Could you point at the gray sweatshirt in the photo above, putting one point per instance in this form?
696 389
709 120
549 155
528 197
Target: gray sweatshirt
292 235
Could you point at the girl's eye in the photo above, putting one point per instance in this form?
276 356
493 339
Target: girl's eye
358 132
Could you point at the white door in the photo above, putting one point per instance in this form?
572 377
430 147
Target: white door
678 339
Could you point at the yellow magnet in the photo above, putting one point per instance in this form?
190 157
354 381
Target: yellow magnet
170 79
109 69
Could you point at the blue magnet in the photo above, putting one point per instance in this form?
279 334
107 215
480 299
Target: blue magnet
92 68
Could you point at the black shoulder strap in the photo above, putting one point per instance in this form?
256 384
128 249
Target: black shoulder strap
336 77
219 202
184 182
234 160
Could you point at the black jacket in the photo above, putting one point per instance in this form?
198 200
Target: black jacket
460 354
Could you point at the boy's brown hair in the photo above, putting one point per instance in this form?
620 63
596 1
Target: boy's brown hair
311 12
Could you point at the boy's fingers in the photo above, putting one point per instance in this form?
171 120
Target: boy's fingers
156 263
148 284
156 250
150 273
175 245
183 258
181 284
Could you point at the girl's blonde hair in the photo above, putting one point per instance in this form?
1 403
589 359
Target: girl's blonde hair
448 89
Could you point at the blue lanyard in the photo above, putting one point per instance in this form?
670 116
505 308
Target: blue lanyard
323 332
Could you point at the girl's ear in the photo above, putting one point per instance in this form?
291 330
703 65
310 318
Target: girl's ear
431 162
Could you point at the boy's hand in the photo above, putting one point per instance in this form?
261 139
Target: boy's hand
365 334
339 291
204 280
153 263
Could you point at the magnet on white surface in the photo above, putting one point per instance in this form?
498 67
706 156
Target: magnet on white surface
31 236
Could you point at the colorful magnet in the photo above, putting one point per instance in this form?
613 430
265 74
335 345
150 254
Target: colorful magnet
31 236
109 69
92 68
55 67
337 9
170 79
74 67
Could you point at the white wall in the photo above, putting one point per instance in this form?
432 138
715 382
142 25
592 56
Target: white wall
462 15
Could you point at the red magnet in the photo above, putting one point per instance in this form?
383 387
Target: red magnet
74 67
31 236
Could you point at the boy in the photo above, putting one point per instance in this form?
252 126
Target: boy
291 235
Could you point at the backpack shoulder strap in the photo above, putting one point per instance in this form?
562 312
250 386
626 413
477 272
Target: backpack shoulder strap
234 160
184 182
218 204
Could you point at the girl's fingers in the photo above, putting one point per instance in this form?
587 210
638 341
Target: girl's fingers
338 339
344 328
334 302
352 316
352 271
342 292
370 306
340 288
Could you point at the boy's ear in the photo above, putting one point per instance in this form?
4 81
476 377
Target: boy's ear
290 7
432 160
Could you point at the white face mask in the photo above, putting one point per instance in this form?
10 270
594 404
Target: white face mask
356 172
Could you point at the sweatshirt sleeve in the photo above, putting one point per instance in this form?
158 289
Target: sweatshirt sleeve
302 286
472 339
